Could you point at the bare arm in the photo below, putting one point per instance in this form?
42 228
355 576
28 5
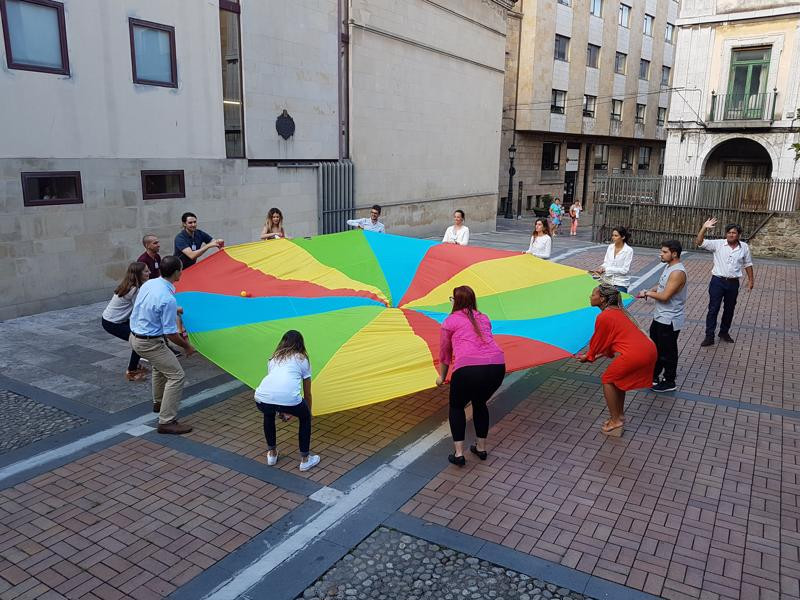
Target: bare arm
701 235
307 391
443 367
675 284
750 277
195 254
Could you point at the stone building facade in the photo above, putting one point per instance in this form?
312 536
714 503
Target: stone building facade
586 94
119 116
736 113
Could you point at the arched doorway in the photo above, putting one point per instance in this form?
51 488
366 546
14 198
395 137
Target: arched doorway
738 158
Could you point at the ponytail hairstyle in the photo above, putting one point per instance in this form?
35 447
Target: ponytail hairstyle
291 343
611 295
464 300
134 278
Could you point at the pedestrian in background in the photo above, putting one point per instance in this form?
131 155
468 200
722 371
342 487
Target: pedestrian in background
116 318
457 233
617 262
556 210
466 343
731 257
575 215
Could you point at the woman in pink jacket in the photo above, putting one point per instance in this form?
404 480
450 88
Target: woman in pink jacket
478 368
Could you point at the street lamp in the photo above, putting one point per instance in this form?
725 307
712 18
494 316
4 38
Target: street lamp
512 151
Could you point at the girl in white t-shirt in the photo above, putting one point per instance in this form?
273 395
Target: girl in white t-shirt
279 392
575 215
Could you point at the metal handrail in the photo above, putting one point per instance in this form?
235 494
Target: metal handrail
743 107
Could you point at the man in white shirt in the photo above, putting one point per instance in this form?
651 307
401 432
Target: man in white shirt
731 257
371 224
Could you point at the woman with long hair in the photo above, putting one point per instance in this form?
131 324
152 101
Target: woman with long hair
273 225
541 242
617 262
478 368
575 214
279 392
615 334
117 314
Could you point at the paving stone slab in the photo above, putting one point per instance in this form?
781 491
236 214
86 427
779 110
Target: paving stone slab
26 421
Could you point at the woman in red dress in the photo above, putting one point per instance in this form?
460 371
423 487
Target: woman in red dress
616 333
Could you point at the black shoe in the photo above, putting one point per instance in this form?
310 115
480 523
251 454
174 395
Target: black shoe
457 460
725 337
709 341
664 387
479 453
656 382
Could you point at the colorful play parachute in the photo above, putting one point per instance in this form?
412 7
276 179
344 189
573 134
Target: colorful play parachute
369 306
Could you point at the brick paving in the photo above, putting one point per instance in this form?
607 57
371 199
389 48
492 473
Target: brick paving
135 520
343 440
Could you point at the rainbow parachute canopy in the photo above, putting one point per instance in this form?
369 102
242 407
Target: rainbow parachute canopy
369 306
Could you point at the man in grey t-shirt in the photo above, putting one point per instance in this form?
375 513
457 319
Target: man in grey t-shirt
669 315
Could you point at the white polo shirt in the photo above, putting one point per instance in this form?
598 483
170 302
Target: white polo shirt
728 262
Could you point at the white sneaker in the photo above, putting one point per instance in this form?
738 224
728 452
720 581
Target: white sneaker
313 461
272 459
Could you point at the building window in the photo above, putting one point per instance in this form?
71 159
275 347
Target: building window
153 53
661 154
616 110
624 15
163 184
644 69
669 31
601 157
644 158
562 48
592 56
589 105
53 187
596 7
662 116
558 100
665 72
747 85
551 156
620 63
232 97
35 35
648 25
627 158
641 109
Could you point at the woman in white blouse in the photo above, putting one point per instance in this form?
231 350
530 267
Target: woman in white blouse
541 242
617 263
457 233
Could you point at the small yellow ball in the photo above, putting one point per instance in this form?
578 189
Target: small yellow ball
244 294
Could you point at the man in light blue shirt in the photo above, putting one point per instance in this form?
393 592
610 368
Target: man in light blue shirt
153 322
371 224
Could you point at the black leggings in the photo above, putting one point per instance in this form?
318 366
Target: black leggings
298 410
474 384
123 332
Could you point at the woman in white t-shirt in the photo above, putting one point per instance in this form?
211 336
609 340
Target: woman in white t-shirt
541 242
457 233
279 393
117 315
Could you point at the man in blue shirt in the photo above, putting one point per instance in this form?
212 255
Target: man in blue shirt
191 243
153 321
371 224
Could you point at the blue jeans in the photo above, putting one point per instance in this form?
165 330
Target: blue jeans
721 292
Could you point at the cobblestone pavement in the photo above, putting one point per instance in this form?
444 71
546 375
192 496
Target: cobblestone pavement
26 421
389 565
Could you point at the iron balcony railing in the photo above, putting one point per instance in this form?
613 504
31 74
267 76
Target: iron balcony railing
743 107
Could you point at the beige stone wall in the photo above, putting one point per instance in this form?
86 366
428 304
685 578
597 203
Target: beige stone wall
57 256
779 238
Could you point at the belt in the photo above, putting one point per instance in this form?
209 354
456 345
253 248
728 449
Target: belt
726 278
146 337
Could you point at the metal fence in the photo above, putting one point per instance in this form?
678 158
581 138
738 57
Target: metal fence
336 194
658 208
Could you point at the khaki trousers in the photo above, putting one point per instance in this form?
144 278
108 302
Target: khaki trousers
168 375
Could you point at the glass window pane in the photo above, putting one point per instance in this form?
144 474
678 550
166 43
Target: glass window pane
167 183
231 84
153 54
34 34
760 54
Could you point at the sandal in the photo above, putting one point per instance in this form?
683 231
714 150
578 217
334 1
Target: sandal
479 453
607 428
